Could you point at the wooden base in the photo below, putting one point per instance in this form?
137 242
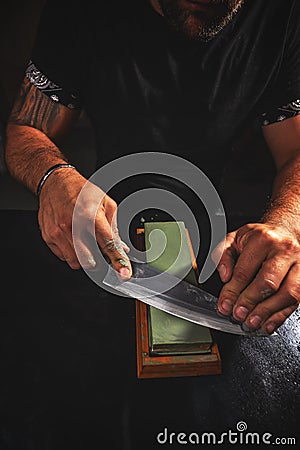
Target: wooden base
150 366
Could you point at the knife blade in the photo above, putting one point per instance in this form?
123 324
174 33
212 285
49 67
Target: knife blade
175 296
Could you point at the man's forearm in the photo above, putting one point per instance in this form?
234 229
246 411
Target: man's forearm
29 154
284 207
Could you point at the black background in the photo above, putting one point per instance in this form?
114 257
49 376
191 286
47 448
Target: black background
67 350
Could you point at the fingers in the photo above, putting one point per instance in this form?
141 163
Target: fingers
57 252
244 271
58 239
110 244
264 287
56 226
65 253
277 319
87 260
58 243
270 313
265 284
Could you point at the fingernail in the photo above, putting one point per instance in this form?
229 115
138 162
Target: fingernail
124 262
91 261
226 306
124 272
255 321
241 313
222 271
245 327
270 328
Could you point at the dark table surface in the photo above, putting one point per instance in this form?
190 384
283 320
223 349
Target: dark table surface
68 369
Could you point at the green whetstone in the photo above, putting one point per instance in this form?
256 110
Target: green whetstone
169 334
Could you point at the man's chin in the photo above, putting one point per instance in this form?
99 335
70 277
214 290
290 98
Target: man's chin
197 25
195 29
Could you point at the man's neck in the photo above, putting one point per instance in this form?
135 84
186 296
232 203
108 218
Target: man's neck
156 6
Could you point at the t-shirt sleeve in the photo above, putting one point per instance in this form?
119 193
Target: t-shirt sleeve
281 113
55 64
284 101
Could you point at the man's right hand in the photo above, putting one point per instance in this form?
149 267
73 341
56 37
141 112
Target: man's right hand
57 201
36 125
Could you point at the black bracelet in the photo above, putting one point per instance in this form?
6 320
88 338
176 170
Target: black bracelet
49 171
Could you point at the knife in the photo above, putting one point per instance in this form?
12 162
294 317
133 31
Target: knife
175 296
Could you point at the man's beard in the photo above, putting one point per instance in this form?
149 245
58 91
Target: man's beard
199 25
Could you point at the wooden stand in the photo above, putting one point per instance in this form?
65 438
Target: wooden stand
154 366
149 366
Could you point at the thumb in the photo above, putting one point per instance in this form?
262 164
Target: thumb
112 246
224 256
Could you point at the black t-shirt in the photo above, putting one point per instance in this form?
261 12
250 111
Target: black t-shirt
145 88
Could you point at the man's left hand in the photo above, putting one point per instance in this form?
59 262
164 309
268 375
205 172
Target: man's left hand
260 266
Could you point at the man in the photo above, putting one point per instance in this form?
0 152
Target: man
186 77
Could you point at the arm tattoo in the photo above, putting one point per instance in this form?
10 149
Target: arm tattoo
35 109
35 123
